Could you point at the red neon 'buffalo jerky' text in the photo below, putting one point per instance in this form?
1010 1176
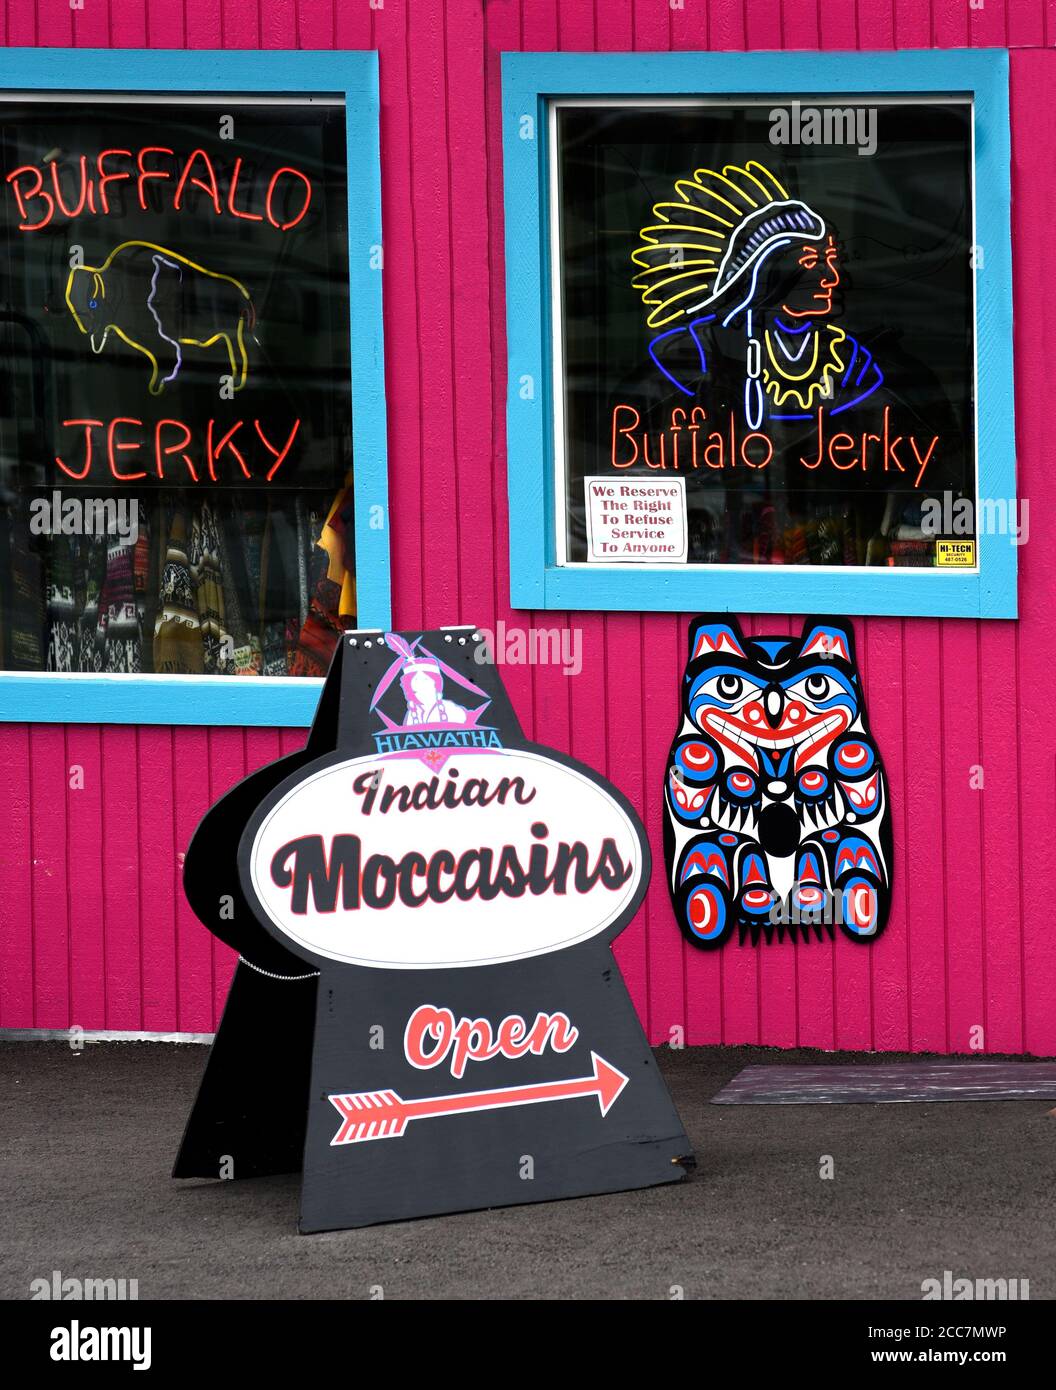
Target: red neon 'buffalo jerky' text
282 198
172 443
278 457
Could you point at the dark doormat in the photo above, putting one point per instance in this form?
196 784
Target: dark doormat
888 1083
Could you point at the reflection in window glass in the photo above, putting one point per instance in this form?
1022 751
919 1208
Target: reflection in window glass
175 418
773 303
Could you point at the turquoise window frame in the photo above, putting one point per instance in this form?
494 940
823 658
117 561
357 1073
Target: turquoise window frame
36 697
530 81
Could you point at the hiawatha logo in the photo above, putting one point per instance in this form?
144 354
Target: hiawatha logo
433 1036
432 722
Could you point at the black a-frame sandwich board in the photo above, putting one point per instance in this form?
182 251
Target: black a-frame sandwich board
423 1030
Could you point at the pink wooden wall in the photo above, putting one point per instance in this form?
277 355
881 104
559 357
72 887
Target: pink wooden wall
93 928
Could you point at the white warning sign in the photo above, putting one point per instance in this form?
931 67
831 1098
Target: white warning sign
636 520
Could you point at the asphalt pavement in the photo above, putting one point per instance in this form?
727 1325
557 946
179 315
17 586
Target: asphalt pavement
787 1201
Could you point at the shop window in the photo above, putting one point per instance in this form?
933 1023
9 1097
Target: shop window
773 326
181 480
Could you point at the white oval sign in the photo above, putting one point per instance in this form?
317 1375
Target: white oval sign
492 857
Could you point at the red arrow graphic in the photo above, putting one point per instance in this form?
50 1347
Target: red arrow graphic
385 1115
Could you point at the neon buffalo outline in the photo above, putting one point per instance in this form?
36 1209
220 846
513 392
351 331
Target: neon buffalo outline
778 816
142 291
734 251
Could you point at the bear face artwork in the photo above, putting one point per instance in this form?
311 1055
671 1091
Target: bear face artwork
778 817
161 303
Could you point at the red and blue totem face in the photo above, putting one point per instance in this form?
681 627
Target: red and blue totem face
778 816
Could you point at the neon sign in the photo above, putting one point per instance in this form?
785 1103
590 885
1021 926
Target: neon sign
166 444
171 288
735 253
693 440
41 199
780 355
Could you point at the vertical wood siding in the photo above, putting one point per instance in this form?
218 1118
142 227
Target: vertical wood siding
94 930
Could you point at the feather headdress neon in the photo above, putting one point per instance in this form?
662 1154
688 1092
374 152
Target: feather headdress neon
705 240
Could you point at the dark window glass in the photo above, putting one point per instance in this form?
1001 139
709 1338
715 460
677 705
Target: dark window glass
175 413
773 303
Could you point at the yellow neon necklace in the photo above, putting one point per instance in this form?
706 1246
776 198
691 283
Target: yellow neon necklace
814 382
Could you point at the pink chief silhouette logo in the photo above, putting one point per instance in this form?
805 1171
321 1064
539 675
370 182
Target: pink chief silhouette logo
432 723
